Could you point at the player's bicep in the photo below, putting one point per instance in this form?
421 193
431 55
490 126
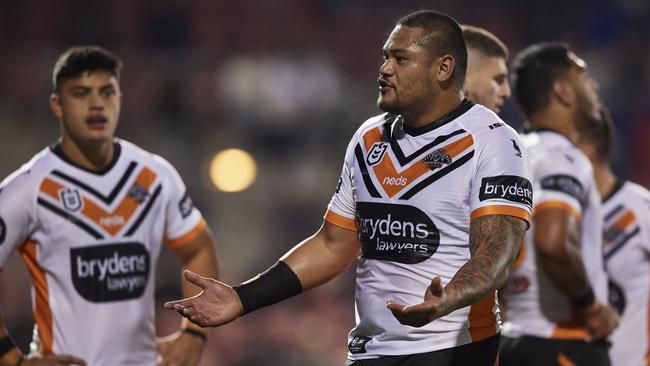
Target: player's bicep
554 229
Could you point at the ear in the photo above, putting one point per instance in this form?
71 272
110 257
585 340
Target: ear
444 68
564 92
55 105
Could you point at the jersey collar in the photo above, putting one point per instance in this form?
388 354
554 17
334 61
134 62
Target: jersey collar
463 107
117 151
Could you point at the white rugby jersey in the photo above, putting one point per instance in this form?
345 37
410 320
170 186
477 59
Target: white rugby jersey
627 260
411 200
90 241
562 178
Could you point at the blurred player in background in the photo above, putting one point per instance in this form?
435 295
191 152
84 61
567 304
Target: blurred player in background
557 293
89 215
433 196
626 208
486 81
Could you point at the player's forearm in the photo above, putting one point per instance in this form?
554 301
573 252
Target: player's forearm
322 256
566 270
494 242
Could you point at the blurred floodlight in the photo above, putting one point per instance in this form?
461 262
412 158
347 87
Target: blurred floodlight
232 170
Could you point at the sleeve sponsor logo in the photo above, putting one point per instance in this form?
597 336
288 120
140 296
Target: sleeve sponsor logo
508 187
185 206
111 272
358 344
3 231
376 153
565 184
397 233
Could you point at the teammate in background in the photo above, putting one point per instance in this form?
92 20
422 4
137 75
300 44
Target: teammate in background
557 293
435 199
486 81
88 216
626 208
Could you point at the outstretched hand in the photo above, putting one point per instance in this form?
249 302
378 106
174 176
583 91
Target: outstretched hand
215 305
436 304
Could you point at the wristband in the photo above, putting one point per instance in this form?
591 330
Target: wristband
277 283
585 299
196 333
6 345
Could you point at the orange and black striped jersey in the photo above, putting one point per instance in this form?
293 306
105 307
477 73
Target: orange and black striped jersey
90 241
411 195
627 261
562 178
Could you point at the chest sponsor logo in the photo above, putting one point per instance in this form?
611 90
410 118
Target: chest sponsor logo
376 153
398 233
112 272
3 231
71 199
508 187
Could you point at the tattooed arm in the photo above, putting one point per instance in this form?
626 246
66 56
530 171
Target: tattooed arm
494 243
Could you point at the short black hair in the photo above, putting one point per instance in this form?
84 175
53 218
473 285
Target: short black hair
484 41
77 60
601 134
533 73
443 36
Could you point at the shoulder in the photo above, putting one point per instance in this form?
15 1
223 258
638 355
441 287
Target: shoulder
489 131
30 174
154 161
637 194
373 123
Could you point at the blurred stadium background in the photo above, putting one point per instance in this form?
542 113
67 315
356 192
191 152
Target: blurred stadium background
288 81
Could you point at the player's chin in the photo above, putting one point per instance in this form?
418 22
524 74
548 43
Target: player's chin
387 105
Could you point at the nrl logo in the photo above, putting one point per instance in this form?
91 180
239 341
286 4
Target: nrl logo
437 159
376 153
71 199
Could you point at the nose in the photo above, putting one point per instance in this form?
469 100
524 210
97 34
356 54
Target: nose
386 69
96 101
505 90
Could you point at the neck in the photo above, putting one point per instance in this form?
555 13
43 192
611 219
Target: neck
91 156
605 178
434 110
557 120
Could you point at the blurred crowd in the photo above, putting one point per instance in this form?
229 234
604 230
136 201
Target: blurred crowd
289 81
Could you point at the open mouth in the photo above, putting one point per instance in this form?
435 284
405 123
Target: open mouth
96 121
384 85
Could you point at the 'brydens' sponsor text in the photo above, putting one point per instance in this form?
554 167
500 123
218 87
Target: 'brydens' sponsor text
110 272
398 233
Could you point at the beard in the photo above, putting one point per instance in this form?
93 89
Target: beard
388 106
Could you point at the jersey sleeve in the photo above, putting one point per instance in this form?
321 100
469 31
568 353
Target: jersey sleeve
341 210
183 221
16 214
501 184
562 183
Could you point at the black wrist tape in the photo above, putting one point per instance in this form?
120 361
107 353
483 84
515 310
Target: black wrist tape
6 345
274 285
585 299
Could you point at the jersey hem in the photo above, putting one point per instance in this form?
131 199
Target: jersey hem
502 210
340 221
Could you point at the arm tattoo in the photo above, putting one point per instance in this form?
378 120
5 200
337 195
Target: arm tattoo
494 243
